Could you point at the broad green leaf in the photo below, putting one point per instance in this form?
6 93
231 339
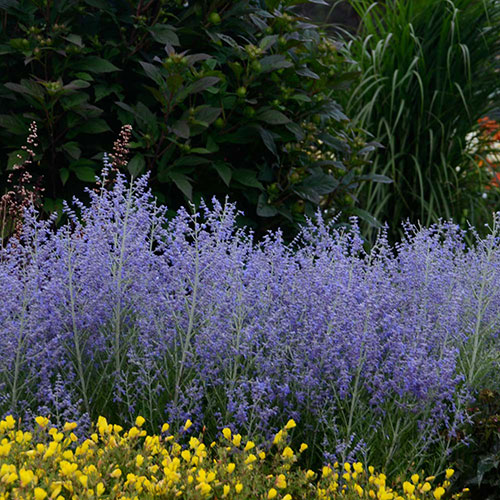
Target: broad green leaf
14 160
364 215
76 39
85 170
64 175
183 183
164 33
181 129
224 171
14 124
264 209
93 126
190 161
274 62
201 85
268 140
77 84
207 114
95 64
136 165
103 90
152 71
72 149
272 117
247 177
72 101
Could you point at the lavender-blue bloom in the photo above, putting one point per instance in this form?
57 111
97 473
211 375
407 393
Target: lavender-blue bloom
123 312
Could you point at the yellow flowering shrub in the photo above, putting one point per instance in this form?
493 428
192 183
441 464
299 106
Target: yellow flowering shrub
52 464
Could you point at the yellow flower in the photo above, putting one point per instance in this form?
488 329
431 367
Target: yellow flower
287 497
26 477
426 487
272 493
100 489
227 433
303 447
347 467
358 467
439 492
415 478
139 421
281 481
84 480
237 439
287 453
326 471
238 487
139 460
165 428
116 473
251 458
290 424
249 446
40 494
230 468
310 474
70 426
278 437
226 490
42 421
358 489
408 488
262 455
449 473
188 424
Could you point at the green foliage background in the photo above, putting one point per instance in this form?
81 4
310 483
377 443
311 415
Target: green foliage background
225 97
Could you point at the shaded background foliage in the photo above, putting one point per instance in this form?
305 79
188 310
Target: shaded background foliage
224 97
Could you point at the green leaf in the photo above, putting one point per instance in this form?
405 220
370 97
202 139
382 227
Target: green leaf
14 124
73 101
181 129
247 177
14 160
64 175
72 149
212 146
268 140
264 209
376 178
367 217
103 90
26 87
201 85
93 126
95 64
84 170
136 165
76 39
164 33
276 61
207 114
84 76
224 171
190 161
273 117
77 84
316 185
152 71
183 183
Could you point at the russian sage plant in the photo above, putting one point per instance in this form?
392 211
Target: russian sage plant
123 311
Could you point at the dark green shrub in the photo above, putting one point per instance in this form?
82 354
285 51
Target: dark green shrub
429 71
224 97
478 465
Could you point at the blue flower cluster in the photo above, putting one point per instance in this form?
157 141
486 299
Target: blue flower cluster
122 312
